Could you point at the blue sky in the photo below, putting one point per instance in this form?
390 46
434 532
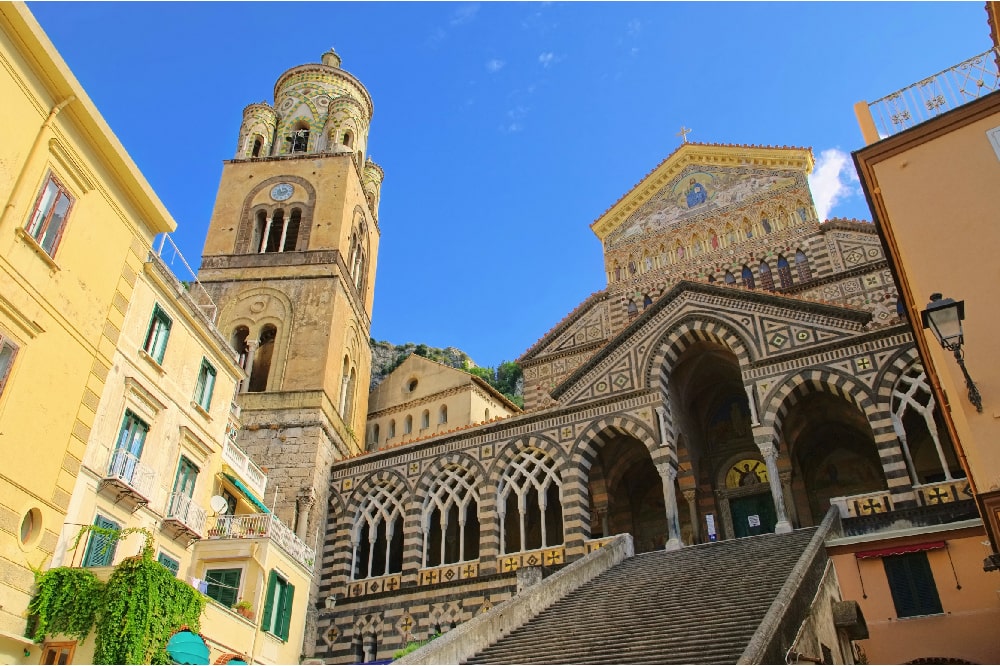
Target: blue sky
504 129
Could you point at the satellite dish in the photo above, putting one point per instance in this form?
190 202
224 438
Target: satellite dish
218 503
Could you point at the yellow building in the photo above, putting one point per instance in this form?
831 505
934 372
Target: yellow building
78 220
929 171
421 398
162 456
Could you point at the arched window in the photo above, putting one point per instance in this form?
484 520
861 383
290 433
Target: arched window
262 359
375 434
529 503
392 428
352 382
273 229
765 224
928 453
784 272
299 139
290 235
425 419
748 277
260 230
646 301
450 519
711 278
766 279
238 340
633 311
258 145
729 278
347 139
802 266
443 414
408 425
487 418
377 536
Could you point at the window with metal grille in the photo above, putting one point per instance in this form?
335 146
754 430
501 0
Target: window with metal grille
912 584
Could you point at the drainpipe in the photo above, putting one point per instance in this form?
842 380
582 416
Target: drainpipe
32 153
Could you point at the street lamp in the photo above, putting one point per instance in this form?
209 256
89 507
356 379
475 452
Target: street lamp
944 317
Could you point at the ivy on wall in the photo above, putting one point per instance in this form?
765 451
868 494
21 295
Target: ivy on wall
134 613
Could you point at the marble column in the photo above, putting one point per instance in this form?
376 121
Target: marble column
764 439
668 474
661 417
691 497
786 487
252 346
305 503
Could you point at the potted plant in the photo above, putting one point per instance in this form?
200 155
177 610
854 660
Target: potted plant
244 608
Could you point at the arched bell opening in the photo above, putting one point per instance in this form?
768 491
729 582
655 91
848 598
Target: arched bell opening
626 494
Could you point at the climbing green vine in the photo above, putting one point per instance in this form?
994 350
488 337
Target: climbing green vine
134 613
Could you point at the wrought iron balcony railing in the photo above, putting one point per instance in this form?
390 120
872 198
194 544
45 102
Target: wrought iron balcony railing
263 525
128 470
182 508
930 97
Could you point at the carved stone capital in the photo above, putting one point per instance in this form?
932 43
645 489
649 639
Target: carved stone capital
768 450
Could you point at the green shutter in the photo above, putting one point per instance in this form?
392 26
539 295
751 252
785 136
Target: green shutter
286 610
272 581
170 563
100 547
911 584
223 584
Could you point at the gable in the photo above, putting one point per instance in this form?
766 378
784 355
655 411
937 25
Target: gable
586 326
758 327
701 181
430 377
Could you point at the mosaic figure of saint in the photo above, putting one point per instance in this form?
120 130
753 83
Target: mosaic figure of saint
696 194
715 242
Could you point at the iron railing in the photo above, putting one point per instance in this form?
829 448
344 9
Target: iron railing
182 508
171 257
128 469
936 94
263 525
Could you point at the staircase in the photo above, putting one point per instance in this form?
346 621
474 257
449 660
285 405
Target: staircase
698 605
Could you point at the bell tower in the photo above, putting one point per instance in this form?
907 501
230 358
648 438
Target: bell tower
290 261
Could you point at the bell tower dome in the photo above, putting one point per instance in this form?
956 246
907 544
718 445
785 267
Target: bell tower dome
289 259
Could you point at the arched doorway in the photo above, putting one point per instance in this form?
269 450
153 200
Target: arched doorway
712 424
833 453
626 494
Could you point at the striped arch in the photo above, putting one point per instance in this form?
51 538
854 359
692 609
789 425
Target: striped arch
514 447
455 480
891 371
334 554
600 432
433 472
371 482
780 401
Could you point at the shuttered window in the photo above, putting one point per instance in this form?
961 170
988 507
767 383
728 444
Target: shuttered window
101 547
223 584
278 606
912 584
170 563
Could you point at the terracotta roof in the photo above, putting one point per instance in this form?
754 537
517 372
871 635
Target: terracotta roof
748 146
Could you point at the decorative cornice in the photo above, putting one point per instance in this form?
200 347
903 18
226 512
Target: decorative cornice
562 325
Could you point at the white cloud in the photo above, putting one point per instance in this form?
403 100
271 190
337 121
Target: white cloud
495 65
464 14
832 181
546 58
634 26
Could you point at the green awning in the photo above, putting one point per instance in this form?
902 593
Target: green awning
246 492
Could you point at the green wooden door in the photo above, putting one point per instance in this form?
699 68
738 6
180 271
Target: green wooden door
753 515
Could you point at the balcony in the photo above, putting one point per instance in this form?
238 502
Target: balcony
263 525
937 504
184 519
249 473
930 97
131 481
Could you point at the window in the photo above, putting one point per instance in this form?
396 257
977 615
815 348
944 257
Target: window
451 519
8 350
223 585
425 419
278 606
766 279
128 447
802 266
299 140
181 506
729 278
784 272
408 425
748 278
646 301
912 584
206 382
170 563
633 311
392 428
156 336
58 653
529 503
443 414
48 218
257 145
375 434
101 547
377 535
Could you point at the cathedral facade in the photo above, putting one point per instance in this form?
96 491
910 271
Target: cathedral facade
745 368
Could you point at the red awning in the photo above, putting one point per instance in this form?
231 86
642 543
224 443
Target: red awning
899 550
